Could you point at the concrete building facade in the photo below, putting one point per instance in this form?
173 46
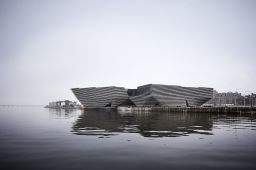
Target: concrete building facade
146 95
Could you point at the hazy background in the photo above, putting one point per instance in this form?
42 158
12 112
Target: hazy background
48 47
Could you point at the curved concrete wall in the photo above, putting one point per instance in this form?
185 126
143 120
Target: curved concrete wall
100 97
168 95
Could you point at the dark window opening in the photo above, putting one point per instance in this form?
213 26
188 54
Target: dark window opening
108 105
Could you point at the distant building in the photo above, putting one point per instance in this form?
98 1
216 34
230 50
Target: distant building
232 99
66 104
250 100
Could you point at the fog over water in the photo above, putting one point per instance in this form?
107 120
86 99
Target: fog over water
48 47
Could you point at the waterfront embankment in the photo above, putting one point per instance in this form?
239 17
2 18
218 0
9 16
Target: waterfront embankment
251 110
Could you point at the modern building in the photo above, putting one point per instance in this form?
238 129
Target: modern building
147 95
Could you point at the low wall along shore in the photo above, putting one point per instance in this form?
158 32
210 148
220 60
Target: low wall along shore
196 109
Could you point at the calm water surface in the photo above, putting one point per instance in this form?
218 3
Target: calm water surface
39 138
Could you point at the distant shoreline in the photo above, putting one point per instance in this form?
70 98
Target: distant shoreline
19 105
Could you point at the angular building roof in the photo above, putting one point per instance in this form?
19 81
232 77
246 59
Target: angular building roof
146 95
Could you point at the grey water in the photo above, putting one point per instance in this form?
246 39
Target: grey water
39 138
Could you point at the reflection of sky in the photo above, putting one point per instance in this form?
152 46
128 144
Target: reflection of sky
47 47
240 128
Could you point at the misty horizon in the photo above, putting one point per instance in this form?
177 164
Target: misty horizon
48 47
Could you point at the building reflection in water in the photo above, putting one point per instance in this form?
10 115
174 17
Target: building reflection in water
63 113
147 124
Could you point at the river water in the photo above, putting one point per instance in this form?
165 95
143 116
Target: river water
38 138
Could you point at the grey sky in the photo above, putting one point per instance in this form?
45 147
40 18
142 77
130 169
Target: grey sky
48 47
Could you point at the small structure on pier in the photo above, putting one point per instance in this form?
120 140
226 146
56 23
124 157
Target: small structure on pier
64 104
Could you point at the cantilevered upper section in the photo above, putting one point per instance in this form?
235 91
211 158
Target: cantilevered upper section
97 97
146 95
169 95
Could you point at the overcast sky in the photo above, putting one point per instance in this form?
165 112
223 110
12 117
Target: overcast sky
48 47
